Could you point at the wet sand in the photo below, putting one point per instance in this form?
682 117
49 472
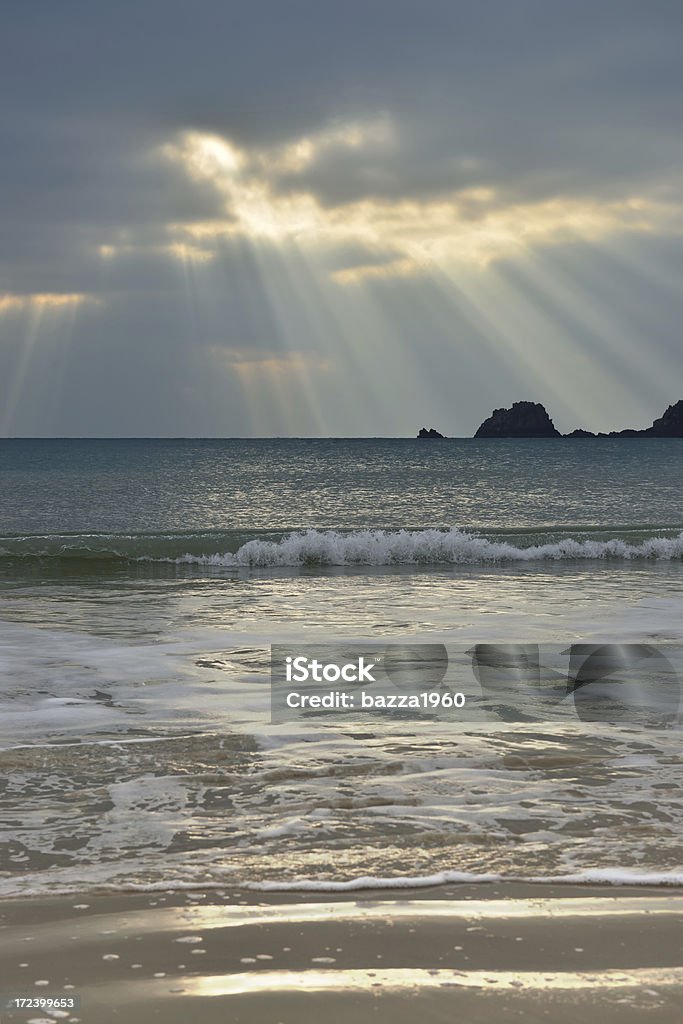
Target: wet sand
466 953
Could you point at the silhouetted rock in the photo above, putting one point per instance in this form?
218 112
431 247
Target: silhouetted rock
529 419
429 433
524 419
670 424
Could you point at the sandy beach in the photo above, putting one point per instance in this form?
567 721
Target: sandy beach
476 953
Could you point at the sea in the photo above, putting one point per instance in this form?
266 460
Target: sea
143 582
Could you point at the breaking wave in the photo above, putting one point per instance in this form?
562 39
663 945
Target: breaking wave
354 547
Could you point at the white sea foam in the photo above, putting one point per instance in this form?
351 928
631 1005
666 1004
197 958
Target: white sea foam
408 547
207 811
99 882
602 876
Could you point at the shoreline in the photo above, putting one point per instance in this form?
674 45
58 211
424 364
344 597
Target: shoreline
485 951
398 887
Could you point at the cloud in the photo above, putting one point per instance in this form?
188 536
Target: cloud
41 301
470 225
381 112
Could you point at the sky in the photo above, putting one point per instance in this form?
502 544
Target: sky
315 218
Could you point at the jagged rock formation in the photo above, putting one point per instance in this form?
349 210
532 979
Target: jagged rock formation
668 425
579 432
524 419
429 433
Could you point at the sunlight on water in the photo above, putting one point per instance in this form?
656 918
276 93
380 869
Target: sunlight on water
137 745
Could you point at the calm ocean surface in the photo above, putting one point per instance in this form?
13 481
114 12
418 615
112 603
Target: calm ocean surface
143 582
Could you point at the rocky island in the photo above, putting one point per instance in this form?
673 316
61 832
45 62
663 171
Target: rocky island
530 419
524 419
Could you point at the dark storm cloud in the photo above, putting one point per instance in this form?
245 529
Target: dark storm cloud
545 94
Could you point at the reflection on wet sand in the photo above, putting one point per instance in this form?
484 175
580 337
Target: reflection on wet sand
483 952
